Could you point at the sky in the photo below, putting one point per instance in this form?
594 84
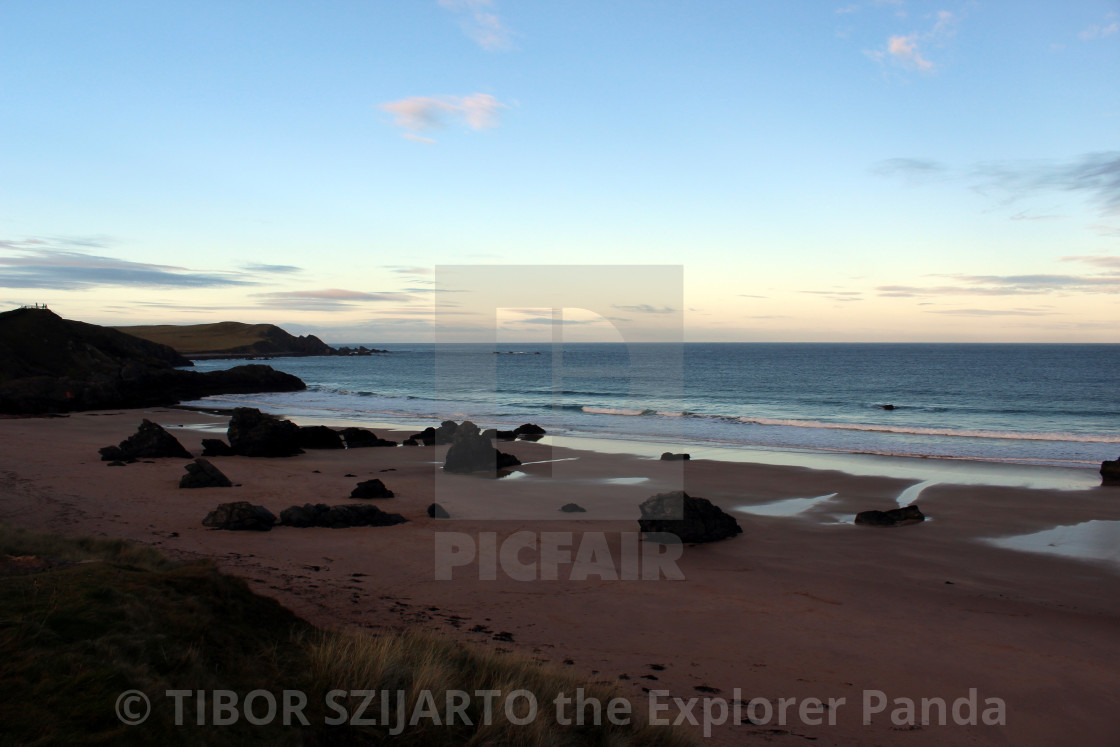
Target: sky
877 170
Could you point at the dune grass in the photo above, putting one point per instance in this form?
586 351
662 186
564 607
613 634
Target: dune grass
83 620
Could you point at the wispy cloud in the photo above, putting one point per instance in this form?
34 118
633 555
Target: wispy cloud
478 111
1101 30
1094 174
992 312
645 308
328 299
272 269
481 23
908 50
1016 285
53 268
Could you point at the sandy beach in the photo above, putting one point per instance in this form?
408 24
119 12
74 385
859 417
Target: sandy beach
800 606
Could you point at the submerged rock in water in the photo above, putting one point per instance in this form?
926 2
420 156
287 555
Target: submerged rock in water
896 517
149 441
677 516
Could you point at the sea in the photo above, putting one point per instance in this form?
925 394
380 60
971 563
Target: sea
1044 404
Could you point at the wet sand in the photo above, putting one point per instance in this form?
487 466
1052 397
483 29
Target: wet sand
802 605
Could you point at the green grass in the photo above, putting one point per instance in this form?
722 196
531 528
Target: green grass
106 616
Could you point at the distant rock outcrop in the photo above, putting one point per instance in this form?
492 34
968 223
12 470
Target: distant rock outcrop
202 474
371 489
573 508
50 364
150 441
240 515
257 434
678 517
669 456
1110 472
896 517
338 517
230 340
470 452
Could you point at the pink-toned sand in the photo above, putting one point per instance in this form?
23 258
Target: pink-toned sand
796 607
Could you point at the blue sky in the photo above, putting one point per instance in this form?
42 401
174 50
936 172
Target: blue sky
870 170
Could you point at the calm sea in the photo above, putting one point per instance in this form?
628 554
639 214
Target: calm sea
1050 404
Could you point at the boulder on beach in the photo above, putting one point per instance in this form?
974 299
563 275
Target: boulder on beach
319 437
1110 472
216 447
678 517
669 456
338 517
896 517
257 434
371 489
471 452
529 432
360 438
202 474
240 516
573 508
445 434
436 511
150 441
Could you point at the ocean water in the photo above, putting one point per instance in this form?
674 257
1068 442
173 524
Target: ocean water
1022 403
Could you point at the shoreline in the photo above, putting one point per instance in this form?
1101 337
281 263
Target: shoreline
799 606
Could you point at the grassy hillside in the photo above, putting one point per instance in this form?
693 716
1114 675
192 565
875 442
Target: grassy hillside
82 621
229 338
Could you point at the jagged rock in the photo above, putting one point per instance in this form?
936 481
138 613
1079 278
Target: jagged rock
319 437
202 474
149 441
371 489
1110 472
216 447
470 452
436 511
572 508
337 517
359 438
669 456
445 434
685 519
529 432
240 515
257 434
896 517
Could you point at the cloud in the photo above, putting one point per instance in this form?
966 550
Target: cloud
1094 174
991 312
645 308
60 269
481 23
906 50
1098 31
1012 285
478 111
1111 263
405 270
272 269
325 300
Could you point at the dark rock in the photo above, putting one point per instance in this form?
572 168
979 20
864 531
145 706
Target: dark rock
240 515
572 508
436 511
150 440
216 447
360 438
669 456
896 517
338 517
529 429
319 437
411 440
202 474
505 435
257 434
490 433
371 489
470 452
685 519
1110 472
887 407
445 434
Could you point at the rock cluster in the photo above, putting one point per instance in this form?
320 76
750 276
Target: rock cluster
896 517
471 452
257 434
678 517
